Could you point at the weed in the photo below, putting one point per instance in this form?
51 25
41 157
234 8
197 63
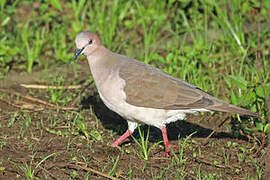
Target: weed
33 44
180 158
143 143
115 163
28 169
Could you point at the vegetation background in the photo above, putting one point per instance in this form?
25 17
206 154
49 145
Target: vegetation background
63 131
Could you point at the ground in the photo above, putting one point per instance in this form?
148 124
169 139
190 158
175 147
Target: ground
51 142
64 131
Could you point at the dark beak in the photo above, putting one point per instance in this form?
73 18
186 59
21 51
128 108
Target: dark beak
78 53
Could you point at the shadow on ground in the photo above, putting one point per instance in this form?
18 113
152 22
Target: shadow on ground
176 130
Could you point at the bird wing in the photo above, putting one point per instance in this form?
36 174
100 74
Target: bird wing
146 86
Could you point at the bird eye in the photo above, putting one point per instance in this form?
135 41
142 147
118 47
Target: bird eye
90 41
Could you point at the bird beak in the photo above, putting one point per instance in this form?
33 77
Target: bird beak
78 53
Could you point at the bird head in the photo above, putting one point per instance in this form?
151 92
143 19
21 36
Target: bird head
86 42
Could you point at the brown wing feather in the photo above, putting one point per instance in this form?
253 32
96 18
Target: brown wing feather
149 87
146 86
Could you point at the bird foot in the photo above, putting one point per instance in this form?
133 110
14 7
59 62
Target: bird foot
122 138
164 154
114 144
168 152
174 147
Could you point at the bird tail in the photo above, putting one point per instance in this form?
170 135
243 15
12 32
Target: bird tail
233 109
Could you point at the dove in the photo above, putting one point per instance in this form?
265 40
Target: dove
143 94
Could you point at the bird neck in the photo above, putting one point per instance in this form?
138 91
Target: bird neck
102 64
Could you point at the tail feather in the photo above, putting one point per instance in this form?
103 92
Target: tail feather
233 109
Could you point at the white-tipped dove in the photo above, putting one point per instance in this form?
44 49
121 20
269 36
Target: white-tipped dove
141 93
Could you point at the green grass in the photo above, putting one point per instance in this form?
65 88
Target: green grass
220 46
28 170
143 143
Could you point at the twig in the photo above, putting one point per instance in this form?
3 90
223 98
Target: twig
61 127
94 171
36 86
38 100
211 164
86 169
24 105
45 170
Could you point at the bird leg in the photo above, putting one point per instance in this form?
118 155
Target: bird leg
166 143
122 138
131 127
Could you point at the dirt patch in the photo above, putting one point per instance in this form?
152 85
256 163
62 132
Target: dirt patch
29 136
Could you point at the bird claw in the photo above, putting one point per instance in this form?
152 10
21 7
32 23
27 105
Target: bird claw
164 154
168 152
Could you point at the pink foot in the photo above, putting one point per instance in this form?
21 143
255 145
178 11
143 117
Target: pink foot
122 138
167 152
164 154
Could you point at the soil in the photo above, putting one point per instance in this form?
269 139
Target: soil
50 131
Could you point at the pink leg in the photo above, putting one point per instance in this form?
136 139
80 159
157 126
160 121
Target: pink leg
122 138
166 141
